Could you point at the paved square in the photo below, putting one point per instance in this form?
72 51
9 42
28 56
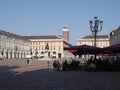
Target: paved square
17 75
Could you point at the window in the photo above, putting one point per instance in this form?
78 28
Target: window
54 52
42 52
59 48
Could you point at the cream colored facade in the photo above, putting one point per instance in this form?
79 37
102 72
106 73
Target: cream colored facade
115 36
55 46
13 46
101 40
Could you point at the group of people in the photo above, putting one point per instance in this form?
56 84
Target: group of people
56 64
106 64
65 65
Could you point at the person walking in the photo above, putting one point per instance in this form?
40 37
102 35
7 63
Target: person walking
29 61
65 66
55 64
58 65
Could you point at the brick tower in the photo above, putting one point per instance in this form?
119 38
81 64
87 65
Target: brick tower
66 33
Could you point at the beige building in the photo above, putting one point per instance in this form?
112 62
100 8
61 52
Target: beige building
16 46
52 45
13 46
101 40
115 36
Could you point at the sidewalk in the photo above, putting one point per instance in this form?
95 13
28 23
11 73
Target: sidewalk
17 75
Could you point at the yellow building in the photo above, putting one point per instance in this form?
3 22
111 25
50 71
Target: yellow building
53 45
101 40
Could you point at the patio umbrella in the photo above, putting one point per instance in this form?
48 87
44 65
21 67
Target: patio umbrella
112 49
73 51
84 49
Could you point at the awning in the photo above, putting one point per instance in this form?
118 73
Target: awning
112 49
84 49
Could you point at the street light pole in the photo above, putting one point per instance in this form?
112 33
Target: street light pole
95 29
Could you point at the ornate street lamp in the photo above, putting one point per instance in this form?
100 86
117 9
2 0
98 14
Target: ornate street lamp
95 29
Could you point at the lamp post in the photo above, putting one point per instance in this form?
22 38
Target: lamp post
95 29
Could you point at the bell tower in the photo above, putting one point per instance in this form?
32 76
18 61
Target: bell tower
66 33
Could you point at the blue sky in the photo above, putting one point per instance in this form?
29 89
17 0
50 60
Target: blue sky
47 17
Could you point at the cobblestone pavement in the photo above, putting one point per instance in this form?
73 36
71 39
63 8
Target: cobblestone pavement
17 75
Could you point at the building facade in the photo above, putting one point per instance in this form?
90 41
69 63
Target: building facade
13 46
16 46
53 45
50 45
101 40
115 36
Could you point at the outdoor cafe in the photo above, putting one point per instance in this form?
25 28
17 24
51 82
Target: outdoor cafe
110 62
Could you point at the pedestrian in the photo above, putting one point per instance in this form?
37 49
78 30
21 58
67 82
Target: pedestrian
48 64
29 61
55 64
65 66
58 65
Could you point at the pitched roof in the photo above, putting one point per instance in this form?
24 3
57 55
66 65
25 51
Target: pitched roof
115 31
98 36
42 37
2 32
